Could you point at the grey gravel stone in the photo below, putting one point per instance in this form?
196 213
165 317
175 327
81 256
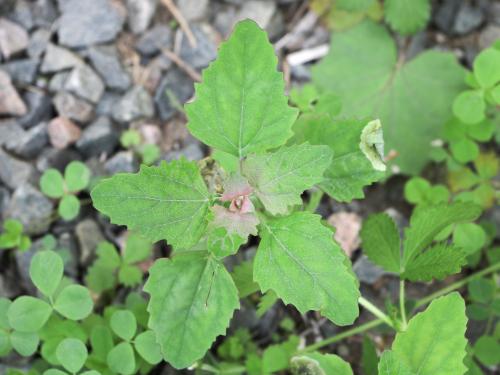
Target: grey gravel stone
140 13
39 41
366 271
14 172
68 105
22 70
100 136
488 36
105 60
193 10
44 12
23 261
107 103
58 58
123 161
85 83
30 143
4 200
30 207
153 40
468 18
39 108
445 14
135 104
9 130
13 38
193 151
175 84
10 101
260 11
89 235
22 14
57 81
204 52
54 158
84 23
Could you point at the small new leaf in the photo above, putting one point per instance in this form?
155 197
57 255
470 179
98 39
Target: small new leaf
279 178
296 255
407 16
166 202
193 298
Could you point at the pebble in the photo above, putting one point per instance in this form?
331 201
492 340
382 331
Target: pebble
204 52
69 106
153 40
106 104
123 161
13 38
84 23
21 71
177 84
489 35
89 235
366 271
105 60
140 14
31 142
58 58
192 151
4 200
85 83
97 138
55 158
193 10
347 226
22 14
9 130
468 19
14 172
57 81
63 132
10 101
39 108
260 11
30 207
135 104
39 41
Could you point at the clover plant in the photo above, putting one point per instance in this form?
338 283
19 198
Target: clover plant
53 184
13 237
131 139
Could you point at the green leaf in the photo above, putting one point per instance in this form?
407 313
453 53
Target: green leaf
487 67
4 308
150 154
222 243
469 107
486 350
166 202
192 300
72 354
482 290
427 222
121 359
357 147
369 358
437 262
354 5
243 278
362 68
101 275
52 183
53 371
297 254
407 16
279 178
320 364
25 343
240 107
101 340
46 271
434 342
381 242
74 302
391 364
137 249
130 138
129 275
28 314
5 345
470 237
124 324
148 349
487 165
464 150
69 207
76 176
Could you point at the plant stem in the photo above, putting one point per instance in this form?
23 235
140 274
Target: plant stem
314 200
375 311
350 332
458 284
402 307
375 323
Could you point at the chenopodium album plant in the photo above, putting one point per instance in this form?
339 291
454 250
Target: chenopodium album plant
241 111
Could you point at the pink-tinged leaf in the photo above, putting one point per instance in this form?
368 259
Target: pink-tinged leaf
240 223
235 187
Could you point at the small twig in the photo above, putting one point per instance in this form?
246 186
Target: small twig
195 76
182 21
307 55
